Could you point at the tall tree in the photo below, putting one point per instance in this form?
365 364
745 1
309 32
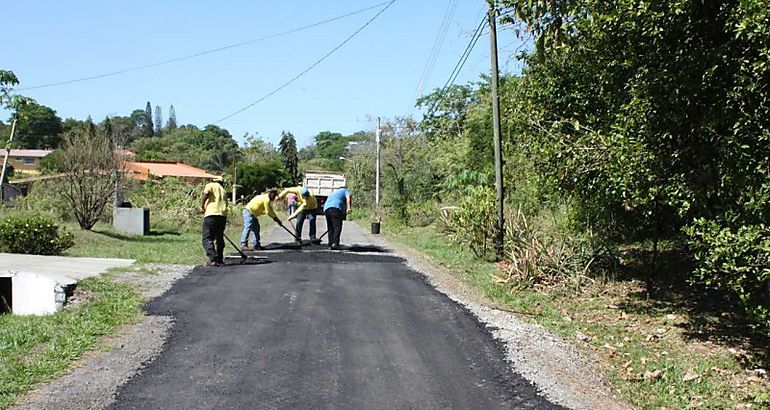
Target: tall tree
7 80
288 148
171 124
158 119
38 127
150 129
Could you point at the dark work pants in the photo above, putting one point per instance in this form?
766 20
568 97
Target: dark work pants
214 237
308 214
334 224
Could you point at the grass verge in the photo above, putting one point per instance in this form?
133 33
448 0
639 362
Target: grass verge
657 353
159 247
34 349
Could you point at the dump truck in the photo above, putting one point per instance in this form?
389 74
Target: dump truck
321 184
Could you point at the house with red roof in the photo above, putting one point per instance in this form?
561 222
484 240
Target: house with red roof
154 170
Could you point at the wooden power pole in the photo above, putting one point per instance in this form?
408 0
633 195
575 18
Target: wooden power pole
5 161
499 194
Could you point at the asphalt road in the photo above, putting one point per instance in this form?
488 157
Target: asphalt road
319 329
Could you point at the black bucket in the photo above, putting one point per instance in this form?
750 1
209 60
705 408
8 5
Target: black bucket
375 228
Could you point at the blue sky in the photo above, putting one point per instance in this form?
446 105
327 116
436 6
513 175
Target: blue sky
375 74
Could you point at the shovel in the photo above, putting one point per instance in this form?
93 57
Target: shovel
317 241
244 257
290 232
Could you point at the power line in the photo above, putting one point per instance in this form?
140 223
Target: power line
202 53
303 72
459 66
436 48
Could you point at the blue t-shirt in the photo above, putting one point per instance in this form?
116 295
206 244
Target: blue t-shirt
337 199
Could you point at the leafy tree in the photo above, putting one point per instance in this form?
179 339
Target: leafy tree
140 125
70 123
171 124
7 81
259 150
158 119
38 127
307 153
653 115
52 163
331 145
255 178
210 148
288 148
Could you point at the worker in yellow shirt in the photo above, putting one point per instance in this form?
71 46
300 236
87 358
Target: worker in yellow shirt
214 210
259 205
306 210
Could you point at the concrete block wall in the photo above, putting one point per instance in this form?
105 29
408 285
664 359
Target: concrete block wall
131 221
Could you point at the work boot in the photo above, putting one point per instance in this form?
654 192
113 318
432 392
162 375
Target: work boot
258 247
245 248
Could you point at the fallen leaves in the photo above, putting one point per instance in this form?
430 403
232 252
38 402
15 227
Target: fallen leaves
652 375
690 375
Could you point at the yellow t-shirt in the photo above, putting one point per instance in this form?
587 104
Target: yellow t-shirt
308 203
216 204
260 205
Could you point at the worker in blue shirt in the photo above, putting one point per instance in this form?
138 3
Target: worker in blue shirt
337 206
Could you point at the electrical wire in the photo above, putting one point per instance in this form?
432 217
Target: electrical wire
310 67
459 66
202 53
436 48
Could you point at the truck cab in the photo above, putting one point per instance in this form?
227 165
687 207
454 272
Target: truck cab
321 184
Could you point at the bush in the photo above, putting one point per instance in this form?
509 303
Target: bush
472 221
173 204
45 199
421 214
33 234
736 261
538 251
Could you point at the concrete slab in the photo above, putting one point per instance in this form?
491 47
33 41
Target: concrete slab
39 284
59 266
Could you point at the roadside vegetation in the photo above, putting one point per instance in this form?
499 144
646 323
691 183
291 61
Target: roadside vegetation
678 350
637 187
34 349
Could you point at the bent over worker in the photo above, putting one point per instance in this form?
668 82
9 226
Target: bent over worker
337 206
214 209
306 210
259 205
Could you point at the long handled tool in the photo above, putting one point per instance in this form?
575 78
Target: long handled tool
322 236
244 257
290 232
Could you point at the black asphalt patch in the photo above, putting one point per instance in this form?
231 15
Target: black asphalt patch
323 330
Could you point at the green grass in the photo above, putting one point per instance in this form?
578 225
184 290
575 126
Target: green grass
159 247
620 341
34 349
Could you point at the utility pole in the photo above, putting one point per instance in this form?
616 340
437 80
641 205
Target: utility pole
235 176
377 169
5 160
499 195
